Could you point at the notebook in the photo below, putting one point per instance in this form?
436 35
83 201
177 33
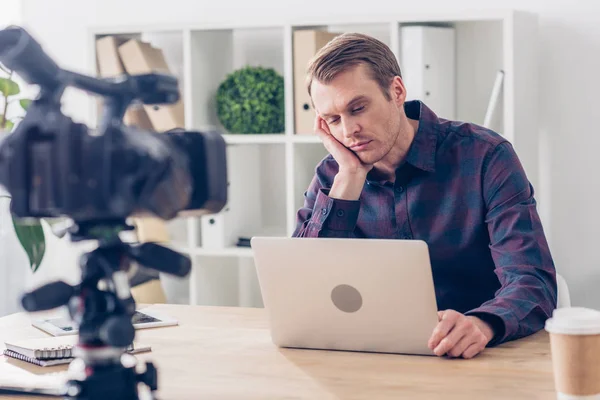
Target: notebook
46 352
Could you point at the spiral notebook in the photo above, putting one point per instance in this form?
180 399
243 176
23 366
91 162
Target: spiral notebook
46 352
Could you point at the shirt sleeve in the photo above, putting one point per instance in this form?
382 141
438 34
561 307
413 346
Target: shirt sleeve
524 265
323 216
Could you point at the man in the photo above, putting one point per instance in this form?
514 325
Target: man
396 170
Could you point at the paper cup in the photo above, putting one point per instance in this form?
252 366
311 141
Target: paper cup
575 345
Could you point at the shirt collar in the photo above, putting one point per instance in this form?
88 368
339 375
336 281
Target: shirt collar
421 153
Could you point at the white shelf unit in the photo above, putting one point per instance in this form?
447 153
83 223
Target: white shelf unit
202 55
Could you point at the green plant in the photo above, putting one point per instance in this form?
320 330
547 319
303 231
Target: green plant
250 100
30 234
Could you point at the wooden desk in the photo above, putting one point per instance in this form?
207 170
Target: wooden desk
226 353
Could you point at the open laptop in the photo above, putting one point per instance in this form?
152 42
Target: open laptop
347 294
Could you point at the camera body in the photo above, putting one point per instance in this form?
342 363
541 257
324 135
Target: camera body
55 167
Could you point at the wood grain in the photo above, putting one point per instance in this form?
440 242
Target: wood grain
226 353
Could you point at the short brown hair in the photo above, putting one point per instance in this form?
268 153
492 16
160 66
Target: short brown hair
348 50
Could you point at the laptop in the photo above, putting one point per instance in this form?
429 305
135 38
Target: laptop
371 295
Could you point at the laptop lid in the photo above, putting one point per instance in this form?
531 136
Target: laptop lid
347 294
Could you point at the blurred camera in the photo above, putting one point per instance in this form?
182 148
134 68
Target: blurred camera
55 167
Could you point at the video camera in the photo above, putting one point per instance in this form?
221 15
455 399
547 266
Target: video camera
54 167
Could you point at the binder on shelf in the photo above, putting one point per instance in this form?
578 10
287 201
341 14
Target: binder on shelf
428 67
306 43
142 58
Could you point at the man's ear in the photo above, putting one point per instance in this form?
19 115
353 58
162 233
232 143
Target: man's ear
398 91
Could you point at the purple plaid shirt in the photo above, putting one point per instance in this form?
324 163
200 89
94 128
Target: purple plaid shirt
463 191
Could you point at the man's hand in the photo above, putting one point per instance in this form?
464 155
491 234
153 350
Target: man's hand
457 335
349 181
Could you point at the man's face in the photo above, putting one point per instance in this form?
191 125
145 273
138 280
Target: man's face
358 114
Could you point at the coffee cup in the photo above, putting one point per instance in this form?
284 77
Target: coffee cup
575 346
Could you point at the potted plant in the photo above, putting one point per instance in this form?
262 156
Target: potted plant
251 100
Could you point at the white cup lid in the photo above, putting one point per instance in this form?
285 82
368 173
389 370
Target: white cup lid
574 321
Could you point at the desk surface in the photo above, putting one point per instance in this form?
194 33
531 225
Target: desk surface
227 353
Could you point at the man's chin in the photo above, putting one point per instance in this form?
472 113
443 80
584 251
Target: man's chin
367 158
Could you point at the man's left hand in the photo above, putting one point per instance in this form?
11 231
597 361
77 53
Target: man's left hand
457 335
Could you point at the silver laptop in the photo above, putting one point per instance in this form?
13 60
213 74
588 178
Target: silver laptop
347 294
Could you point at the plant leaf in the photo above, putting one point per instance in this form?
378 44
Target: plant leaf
8 87
33 241
25 103
7 126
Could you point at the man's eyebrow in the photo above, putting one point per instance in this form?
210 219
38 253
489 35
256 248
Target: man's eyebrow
355 100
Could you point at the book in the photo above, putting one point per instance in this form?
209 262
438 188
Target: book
46 352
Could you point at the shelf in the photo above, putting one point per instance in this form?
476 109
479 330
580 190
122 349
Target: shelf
273 138
268 174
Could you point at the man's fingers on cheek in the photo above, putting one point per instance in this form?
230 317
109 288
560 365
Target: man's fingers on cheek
324 127
317 124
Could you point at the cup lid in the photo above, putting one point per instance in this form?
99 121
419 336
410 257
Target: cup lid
574 321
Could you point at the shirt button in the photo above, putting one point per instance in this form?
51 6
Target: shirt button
324 211
399 189
340 213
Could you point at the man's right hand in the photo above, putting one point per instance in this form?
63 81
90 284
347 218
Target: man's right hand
350 179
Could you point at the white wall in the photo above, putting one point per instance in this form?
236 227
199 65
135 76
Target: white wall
569 81
11 12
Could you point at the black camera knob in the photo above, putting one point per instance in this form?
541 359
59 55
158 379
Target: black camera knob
117 331
149 376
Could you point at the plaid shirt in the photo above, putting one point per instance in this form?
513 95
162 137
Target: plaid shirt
463 191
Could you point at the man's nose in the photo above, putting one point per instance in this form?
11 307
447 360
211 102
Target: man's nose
349 127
